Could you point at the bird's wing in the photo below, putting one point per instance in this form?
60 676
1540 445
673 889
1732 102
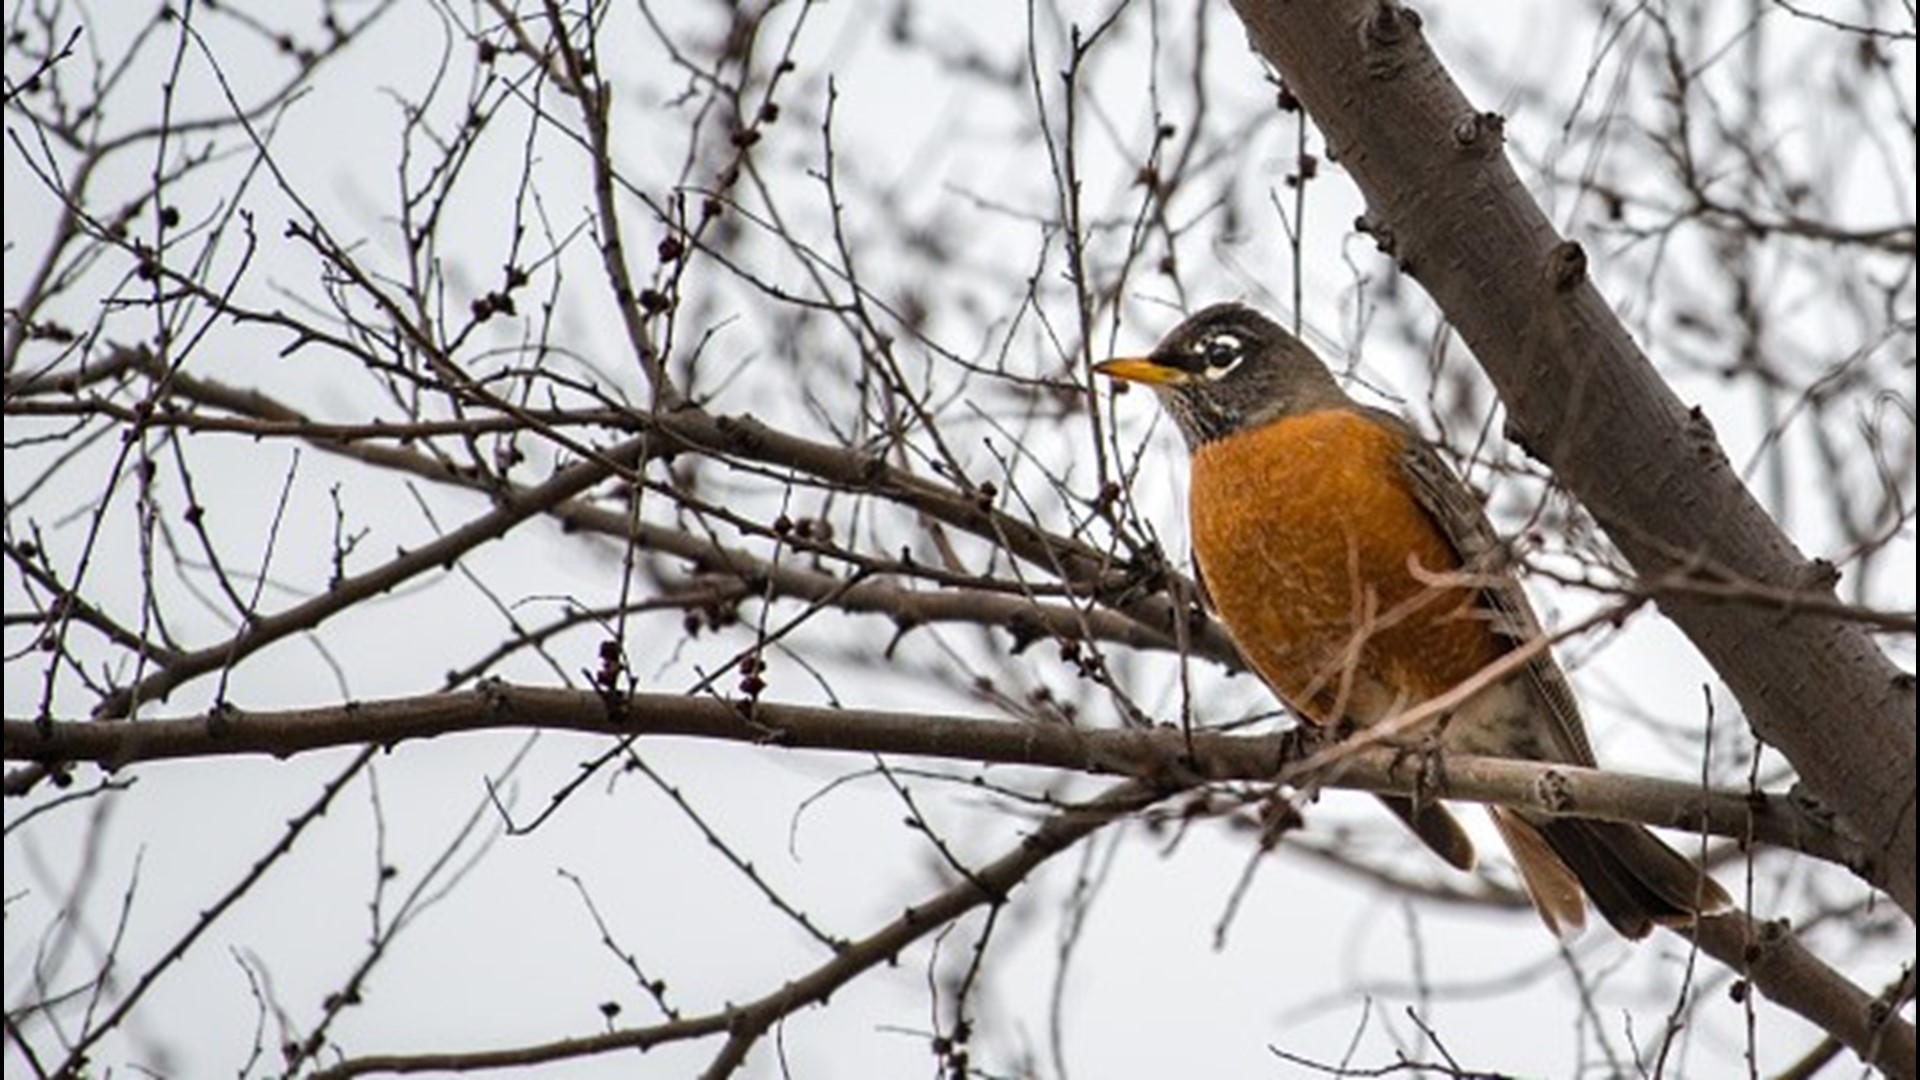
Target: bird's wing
1457 512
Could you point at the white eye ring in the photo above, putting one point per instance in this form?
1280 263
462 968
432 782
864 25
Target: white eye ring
1223 352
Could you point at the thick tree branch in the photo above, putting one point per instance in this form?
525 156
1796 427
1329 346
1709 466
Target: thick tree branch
1164 755
1768 955
1580 394
1162 760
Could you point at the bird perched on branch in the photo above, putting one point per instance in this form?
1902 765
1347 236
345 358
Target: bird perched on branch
1360 577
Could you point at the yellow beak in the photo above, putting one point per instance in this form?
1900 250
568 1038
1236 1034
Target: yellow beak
1140 369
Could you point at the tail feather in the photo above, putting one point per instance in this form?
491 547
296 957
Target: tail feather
1550 882
1436 827
1634 879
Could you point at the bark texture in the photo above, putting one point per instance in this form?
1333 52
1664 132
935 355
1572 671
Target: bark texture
1444 201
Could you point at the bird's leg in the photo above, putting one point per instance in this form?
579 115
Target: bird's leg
1432 777
1428 751
1299 742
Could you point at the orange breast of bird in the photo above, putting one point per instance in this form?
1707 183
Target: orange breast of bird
1308 534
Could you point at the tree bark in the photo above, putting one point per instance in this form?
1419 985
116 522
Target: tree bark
1444 201
1168 755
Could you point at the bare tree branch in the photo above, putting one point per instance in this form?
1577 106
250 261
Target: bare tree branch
1164 755
745 1024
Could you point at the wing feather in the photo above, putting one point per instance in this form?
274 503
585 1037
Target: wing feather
1457 512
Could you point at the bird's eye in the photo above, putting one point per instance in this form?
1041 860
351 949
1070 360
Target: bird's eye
1222 353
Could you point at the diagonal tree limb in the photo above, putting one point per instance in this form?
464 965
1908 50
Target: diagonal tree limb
1773 960
1581 395
743 1025
263 631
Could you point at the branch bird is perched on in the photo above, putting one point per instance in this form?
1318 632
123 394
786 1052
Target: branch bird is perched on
1360 577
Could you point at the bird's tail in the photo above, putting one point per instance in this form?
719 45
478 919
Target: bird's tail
1634 878
1436 827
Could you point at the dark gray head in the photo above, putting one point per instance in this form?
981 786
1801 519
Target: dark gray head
1228 368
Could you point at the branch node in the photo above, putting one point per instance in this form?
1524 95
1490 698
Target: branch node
742 433
221 718
1386 36
1769 934
1026 627
1706 444
1555 794
1817 575
1480 134
1567 266
1382 233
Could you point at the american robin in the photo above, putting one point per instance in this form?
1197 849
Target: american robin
1360 577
